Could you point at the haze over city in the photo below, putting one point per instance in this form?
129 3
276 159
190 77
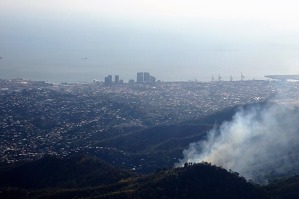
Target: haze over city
135 99
175 40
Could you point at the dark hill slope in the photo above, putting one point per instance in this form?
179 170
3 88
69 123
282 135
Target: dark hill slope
287 188
198 181
161 146
50 171
87 177
191 182
150 149
144 139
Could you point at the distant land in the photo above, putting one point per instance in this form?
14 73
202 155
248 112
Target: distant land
283 77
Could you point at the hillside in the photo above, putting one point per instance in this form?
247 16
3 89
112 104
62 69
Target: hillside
51 171
286 188
192 181
108 173
198 181
157 147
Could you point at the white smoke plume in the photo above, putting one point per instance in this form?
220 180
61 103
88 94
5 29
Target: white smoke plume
258 142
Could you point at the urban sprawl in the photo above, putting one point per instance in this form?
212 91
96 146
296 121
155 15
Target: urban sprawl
39 118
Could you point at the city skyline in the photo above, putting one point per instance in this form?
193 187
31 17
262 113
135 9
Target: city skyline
146 77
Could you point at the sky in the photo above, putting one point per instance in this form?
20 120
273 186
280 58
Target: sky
174 40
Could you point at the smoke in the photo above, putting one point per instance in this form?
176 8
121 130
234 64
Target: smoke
260 142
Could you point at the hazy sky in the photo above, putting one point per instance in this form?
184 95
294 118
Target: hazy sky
171 39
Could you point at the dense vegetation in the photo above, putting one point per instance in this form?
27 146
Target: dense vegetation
287 188
51 171
86 177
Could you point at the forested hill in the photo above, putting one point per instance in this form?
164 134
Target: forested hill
51 171
86 177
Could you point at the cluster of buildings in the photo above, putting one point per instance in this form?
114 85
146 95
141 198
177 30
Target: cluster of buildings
145 77
109 80
142 77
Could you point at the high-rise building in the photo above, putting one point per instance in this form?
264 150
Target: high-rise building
116 79
152 79
109 79
131 81
146 77
106 80
140 77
